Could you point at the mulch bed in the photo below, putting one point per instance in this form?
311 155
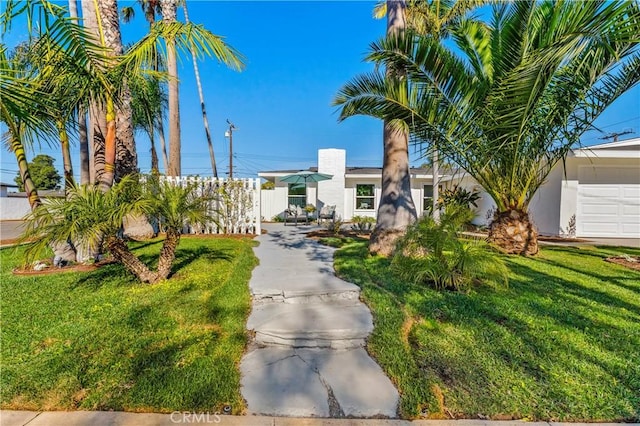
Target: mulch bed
324 233
632 264
51 270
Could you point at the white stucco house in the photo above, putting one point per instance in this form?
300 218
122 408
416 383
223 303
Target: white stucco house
355 191
598 189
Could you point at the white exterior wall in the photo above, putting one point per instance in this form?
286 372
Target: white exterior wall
334 162
14 208
590 171
545 208
350 196
273 201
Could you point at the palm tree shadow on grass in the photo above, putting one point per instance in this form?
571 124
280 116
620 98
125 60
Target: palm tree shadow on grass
117 273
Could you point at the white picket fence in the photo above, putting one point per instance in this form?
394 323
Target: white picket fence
235 202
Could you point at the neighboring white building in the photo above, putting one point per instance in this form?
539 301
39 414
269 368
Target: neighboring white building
598 188
355 191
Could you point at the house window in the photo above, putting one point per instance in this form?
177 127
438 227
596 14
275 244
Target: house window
298 194
427 198
365 197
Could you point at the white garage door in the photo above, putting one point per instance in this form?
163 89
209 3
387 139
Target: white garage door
611 208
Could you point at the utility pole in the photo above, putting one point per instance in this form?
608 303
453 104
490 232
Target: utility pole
229 134
614 135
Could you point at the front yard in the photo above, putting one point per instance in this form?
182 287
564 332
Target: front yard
562 342
100 341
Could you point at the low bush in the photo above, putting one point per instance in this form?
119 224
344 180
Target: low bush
433 253
363 223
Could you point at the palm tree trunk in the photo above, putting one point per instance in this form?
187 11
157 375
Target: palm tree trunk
396 210
169 11
212 155
154 155
29 187
126 156
97 119
66 155
163 146
108 174
85 174
82 120
514 232
122 254
435 167
168 253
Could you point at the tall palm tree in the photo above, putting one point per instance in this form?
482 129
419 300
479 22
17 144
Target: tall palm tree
212 156
513 97
83 137
169 10
151 8
149 104
92 217
396 210
434 18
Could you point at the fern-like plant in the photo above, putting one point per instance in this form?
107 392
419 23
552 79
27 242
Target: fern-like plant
434 254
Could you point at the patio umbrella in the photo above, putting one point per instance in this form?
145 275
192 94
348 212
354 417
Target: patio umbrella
305 177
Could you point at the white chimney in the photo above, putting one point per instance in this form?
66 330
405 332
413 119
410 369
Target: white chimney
331 192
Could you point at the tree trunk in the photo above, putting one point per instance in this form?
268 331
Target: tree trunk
108 174
29 187
163 146
514 232
85 174
121 253
126 159
168 253
154 156
63 250
66 156
214 167
169 11
126 155
396 210
82 120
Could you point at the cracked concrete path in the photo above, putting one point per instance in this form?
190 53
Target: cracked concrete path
308 357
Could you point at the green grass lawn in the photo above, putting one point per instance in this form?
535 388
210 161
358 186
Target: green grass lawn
101 341
562 342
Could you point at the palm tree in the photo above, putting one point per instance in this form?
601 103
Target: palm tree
94 217
151 8
396 210
169 10
435 18
176 207
21 99
83 137
513 98
205 120
149 104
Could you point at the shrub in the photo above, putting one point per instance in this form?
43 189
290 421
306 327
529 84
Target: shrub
362 223
334 226
432 253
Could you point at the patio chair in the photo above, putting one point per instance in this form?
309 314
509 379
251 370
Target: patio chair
295 213
327 212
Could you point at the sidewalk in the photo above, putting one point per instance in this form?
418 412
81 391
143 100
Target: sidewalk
307 357
115 418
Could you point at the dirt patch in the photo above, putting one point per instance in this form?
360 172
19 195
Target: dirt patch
561 239
632 262
324 233
50 270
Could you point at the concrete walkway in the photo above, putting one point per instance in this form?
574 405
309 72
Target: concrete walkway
117 418
307 358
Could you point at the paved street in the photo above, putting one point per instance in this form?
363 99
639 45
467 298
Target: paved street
10 229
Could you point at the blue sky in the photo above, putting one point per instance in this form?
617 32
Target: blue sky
298 54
